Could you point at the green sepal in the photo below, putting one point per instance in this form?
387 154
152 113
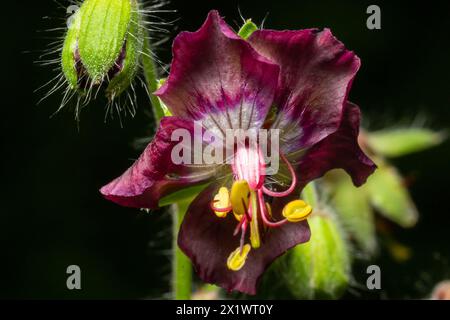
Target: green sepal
182 195
68 51
356 215
400 142
390 197
321 267
163 110
104 26
134 46
247 29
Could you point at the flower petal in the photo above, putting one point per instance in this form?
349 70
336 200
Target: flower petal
315 77
208 241
155 174
218 78
338 150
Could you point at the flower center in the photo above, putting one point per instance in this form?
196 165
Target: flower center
246 200
249 165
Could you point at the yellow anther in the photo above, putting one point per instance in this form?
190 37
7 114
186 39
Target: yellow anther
236 260
296 211
237 216
222 201
239 198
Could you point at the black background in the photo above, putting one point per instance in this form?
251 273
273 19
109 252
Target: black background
52 215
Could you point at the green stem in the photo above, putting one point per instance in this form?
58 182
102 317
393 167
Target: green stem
151 77
181 268
181 265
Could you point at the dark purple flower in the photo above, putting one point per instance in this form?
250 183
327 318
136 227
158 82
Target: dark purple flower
293 81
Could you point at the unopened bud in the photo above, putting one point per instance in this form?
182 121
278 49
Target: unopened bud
103 45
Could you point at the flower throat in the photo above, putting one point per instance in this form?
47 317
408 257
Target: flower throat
246 200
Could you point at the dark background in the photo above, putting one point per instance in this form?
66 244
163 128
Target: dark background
52 215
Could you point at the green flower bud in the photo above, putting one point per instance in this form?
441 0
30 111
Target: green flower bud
321 267
399 142
247 29
103 45
355 212
390 197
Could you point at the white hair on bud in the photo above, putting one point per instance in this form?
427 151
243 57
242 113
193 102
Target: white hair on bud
156 29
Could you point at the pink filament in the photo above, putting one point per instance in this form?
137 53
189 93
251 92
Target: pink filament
293 183
238 227
244 229
264 217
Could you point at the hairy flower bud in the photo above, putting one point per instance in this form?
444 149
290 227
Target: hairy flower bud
321 267
103 45
399 142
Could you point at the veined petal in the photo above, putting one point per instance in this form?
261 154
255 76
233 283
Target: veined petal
315 77
208 241
155 174
218 78
338 150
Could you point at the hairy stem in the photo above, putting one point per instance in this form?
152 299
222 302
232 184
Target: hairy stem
151 77
181 265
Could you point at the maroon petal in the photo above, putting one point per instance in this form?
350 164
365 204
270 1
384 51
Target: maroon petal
315 77
338 150
218 78
154 174
208 241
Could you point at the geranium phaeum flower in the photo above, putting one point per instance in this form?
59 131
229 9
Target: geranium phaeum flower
294 81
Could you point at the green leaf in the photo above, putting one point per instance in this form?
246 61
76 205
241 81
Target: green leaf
390 197
356 215
399 142
320 268
182 195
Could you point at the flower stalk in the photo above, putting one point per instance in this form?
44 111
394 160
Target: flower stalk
151 78
181 265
